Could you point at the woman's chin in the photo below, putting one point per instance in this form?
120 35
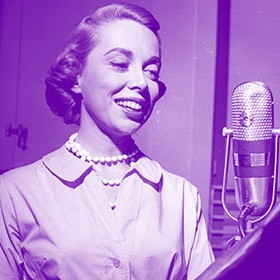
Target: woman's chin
127 128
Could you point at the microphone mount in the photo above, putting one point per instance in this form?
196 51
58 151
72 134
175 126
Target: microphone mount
246 225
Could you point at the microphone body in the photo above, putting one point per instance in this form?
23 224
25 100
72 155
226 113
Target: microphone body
253 146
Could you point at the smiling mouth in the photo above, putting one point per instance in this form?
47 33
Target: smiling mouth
130 105
132 108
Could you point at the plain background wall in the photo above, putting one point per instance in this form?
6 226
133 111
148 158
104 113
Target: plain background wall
254 47
179 133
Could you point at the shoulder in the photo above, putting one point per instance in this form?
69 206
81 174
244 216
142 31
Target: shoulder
26 175
22 174
58 167
179 196
15 183
177 180
171 182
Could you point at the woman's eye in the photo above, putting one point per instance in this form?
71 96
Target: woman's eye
152 74
120 66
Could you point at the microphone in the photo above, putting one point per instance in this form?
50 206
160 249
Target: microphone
253 146
255 153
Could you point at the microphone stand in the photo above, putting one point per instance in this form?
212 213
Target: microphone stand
244 225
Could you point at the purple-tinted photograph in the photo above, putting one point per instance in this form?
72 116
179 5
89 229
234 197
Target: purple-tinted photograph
139 139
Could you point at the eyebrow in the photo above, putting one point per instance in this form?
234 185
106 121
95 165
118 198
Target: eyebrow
120 50
154 60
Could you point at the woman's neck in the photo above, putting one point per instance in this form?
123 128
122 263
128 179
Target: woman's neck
98 143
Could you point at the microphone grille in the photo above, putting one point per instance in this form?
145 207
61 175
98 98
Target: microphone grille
252 114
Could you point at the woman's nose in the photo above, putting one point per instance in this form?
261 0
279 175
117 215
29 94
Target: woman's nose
138 80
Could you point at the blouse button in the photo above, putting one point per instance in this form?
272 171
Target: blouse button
116 263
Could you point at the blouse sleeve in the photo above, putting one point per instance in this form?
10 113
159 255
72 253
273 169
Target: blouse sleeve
201 254
10 254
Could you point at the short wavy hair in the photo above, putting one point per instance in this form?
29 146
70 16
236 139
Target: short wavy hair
69 64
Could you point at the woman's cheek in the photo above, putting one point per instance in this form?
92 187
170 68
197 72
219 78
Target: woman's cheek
154 92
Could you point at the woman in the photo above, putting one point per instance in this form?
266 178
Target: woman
98 208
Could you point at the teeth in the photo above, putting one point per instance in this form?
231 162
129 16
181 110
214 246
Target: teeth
130 104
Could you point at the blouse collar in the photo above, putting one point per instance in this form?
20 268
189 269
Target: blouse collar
70 168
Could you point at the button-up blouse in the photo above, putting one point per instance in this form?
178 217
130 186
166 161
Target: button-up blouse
56 223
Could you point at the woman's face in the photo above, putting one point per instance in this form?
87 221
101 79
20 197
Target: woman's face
119 82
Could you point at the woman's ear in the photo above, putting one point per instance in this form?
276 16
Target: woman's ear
76 87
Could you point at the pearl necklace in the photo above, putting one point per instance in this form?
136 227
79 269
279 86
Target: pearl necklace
75 148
